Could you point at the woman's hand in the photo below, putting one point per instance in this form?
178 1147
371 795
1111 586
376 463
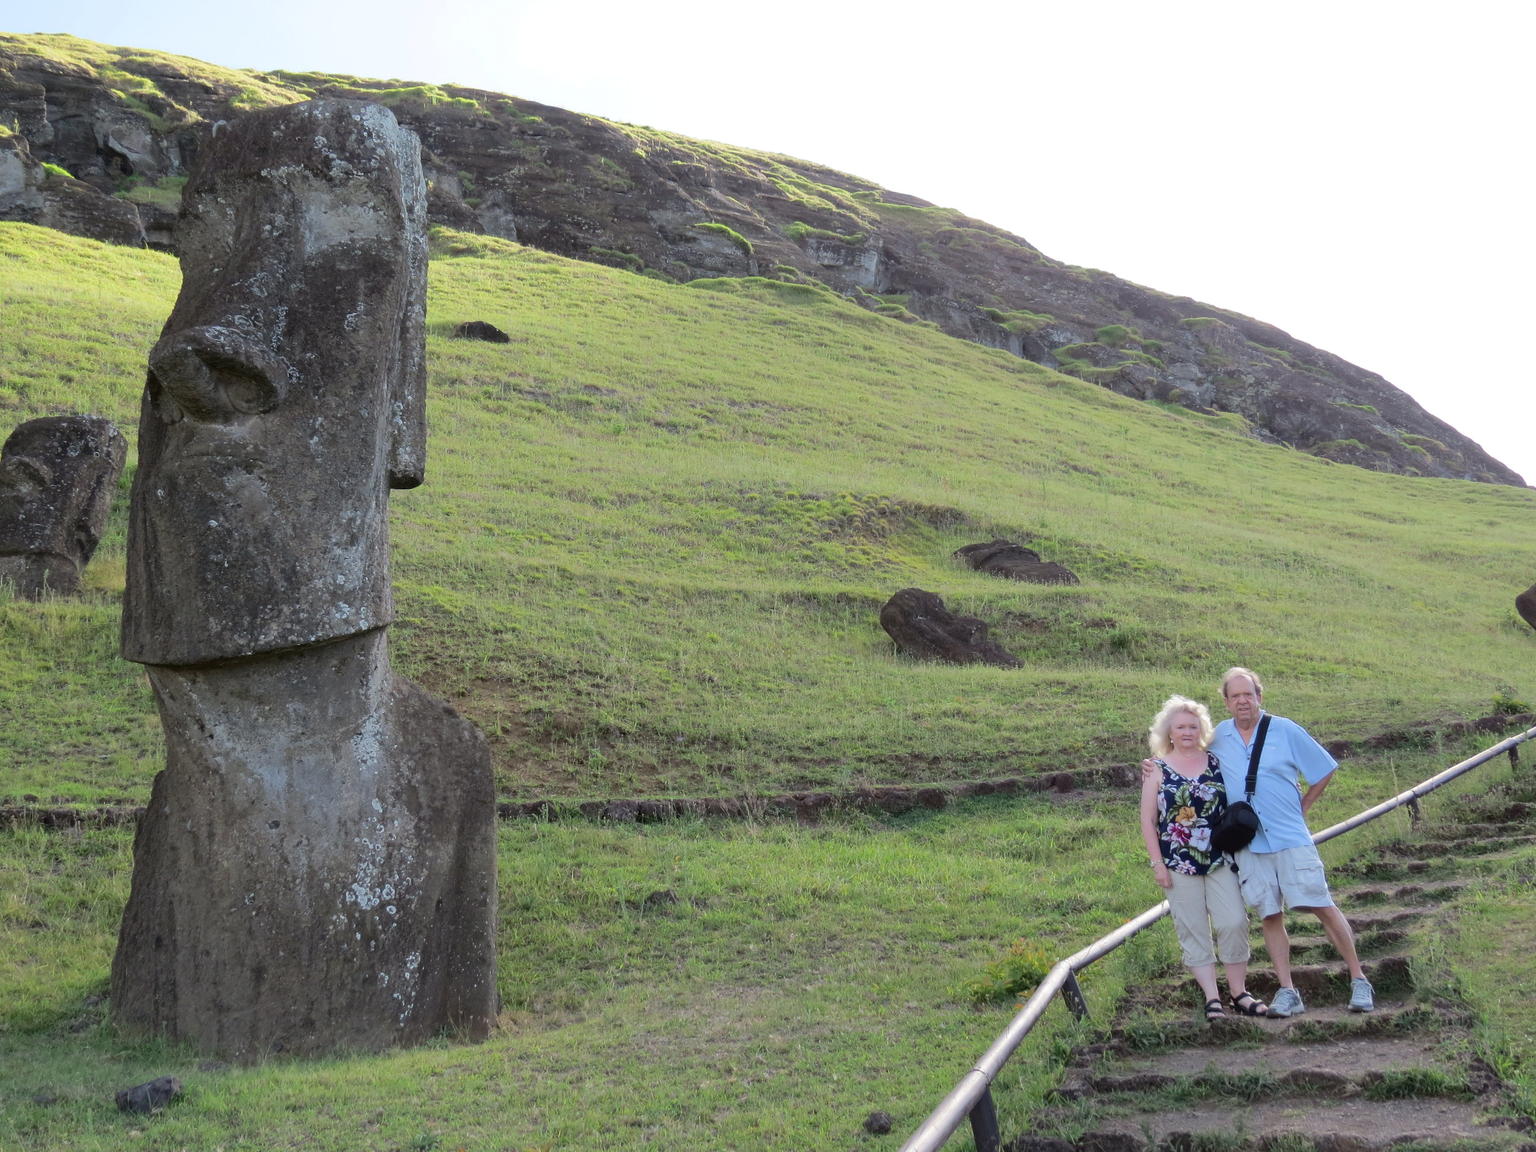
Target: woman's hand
1148 767
1160 874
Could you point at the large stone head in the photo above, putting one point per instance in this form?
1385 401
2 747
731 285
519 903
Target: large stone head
285 395
57 478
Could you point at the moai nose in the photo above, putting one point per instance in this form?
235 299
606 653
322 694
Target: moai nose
215 373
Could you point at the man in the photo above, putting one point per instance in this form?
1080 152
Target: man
1281 868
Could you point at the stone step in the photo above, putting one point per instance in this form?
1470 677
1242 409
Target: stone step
1468 845
1376 871
1339 1066
1308 947
1329 983
1298 1123
1378 919
1176 1023
1416 895
1453 831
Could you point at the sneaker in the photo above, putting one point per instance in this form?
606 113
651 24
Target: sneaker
1287 1002
1362 997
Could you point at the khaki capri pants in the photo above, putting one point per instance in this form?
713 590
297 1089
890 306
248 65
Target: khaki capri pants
1205 905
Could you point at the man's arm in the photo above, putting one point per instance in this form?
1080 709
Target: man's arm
1310 796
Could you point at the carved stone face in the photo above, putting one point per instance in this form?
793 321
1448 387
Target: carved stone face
57 476
285 396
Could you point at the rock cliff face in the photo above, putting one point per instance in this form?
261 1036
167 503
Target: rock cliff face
97 140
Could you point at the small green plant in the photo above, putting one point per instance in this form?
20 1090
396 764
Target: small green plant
56 170
799 232
1370 408
617 259
1505 703
1199 321
1023 966
1113 334
728 232
1406 1083
164 193
1428 443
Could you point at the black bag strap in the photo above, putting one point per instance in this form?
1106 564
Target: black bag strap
1253 758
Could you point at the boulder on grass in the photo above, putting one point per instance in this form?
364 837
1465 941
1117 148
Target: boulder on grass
481 330
924 628
1525 604
1014 562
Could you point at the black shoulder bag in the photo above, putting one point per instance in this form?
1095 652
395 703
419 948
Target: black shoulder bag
1238 823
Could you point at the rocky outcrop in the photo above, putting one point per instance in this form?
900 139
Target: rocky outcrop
675 208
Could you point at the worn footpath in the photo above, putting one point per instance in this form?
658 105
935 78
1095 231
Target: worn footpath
1406 1076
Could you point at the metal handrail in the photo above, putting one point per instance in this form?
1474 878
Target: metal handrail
972 1096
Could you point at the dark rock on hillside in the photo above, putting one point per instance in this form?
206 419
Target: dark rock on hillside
878 1123
678 209
57 478
31 194
481 330
923 627
149 1097
1525 604
1014 562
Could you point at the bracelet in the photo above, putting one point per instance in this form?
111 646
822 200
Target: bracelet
1155 863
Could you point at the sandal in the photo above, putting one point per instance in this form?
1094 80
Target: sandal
1247 1004
1213 1011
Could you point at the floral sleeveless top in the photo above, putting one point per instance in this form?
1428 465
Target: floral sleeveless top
1186 808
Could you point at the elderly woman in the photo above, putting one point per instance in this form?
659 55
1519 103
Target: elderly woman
1181 795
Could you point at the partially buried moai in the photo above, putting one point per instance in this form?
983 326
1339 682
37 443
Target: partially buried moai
316 867
57 478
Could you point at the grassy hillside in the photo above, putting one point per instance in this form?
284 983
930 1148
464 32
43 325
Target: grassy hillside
659 525
656 534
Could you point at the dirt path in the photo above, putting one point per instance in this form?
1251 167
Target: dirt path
1404 1077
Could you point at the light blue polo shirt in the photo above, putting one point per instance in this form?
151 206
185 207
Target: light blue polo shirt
1290 757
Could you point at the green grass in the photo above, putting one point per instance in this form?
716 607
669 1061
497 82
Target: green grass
756 984
131 75
729 233
775 1004
1488 958
649 559
658 528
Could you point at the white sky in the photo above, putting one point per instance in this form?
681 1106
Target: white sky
1347 170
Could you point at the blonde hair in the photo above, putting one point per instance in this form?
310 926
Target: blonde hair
1157 735
1233 673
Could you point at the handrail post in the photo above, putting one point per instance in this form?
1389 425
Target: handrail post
1514 758
1072 993
985 1132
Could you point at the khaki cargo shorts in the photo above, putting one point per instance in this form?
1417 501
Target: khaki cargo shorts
1289 878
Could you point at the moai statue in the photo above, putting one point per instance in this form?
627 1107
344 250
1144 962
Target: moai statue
316 868
57 478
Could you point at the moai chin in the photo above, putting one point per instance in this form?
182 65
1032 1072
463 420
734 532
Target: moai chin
57 478
316 867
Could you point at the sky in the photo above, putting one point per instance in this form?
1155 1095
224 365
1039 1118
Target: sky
1347 171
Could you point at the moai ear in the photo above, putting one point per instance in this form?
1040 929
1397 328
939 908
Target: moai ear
408 388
